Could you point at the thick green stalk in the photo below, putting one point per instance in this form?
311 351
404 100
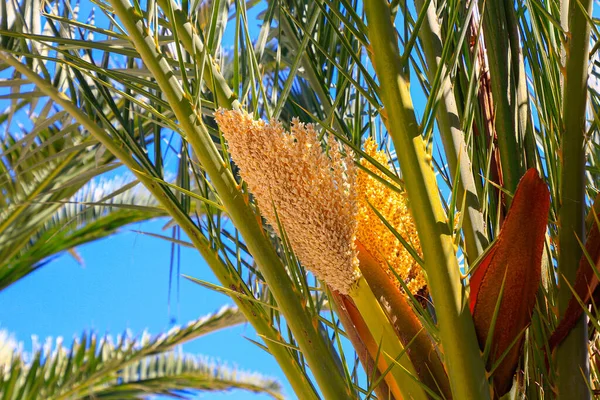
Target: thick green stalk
252 310
403 371
461 349
300 320
353 330
503 89
572 355
524 125
453 137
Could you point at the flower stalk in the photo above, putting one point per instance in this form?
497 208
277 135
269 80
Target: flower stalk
393 353
359 335
410 331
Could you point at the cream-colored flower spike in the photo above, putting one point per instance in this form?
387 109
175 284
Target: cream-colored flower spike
311 192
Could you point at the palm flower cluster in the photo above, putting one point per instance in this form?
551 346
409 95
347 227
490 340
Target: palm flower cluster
320 200
374 235
298 186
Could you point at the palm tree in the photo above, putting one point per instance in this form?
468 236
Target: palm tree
410 221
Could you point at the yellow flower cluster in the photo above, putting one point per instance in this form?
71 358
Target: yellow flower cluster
311 193
372 232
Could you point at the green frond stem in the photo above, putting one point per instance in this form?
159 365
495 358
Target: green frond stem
391 349
453 138
503 90
408 328
457 332
356 329
301 321
524 125
572 355
255 314
193 44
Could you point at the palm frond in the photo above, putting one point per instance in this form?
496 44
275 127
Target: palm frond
96 211
127 367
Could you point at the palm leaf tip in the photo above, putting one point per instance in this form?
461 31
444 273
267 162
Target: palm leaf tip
310 193
8 347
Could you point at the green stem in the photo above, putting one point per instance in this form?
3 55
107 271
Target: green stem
457 332
409 329
402 370
521 108
303 323
255 314
353 332
453 137
503 89
572 355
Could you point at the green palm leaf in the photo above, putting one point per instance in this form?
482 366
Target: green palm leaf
127 367
94 212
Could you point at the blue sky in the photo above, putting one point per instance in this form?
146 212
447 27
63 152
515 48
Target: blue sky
124 285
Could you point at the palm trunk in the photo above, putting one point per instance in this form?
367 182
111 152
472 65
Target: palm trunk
572 358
